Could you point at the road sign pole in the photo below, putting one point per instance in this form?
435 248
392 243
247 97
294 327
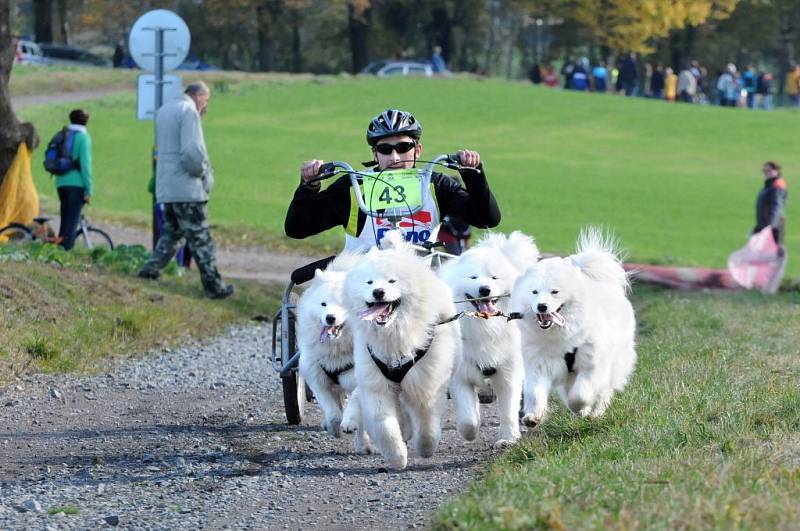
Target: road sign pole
169 51
158 86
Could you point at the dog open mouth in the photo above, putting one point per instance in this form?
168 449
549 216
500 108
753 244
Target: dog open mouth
483 305
380 312
546 320
330 333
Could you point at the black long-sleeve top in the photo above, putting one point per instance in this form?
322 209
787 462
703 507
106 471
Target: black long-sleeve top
312 211
769 207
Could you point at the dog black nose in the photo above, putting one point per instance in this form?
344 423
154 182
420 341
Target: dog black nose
484 291
541 308
378 294
330 319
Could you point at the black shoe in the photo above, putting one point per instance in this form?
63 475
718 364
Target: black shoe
223 293
148 274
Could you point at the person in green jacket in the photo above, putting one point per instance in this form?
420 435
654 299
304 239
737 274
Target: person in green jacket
75 186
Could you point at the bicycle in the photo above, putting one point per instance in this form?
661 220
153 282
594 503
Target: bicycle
392 196
86 235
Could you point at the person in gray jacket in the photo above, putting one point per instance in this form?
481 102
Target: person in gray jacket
184 180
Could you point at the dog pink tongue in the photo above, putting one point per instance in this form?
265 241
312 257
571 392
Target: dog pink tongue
377 311
487 307
558 318
328 333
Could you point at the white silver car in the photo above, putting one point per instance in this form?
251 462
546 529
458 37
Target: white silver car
404 68
29 53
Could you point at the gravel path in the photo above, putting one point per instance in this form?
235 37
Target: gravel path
196 438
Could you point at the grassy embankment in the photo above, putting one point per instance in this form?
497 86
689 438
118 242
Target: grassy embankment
677 183
706 436
71 311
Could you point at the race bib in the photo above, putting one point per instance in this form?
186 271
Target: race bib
393 189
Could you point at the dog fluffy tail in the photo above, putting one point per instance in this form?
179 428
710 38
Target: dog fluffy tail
599 257
345 261
519 248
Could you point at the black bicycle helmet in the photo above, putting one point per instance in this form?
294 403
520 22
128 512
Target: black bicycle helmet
393 122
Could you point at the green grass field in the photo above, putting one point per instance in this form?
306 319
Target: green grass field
706 436
676 183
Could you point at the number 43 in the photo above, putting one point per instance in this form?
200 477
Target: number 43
386 195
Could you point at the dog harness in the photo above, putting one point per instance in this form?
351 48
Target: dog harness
569 359
396 372
487 371
334 375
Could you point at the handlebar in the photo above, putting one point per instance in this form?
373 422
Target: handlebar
329 169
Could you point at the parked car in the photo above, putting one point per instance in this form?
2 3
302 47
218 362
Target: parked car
29 53
69 55
193 62
399 68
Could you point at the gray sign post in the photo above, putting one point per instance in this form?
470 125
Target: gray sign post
159 41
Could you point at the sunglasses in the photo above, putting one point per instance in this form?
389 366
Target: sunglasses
400 147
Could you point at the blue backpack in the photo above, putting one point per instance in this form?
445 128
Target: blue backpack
57 159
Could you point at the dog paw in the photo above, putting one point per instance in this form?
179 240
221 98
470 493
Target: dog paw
532 420
364 449
502 444
333 427
349 426
397 462
426 445
468 430
599 408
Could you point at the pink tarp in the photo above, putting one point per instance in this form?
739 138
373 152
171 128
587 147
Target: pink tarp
758 265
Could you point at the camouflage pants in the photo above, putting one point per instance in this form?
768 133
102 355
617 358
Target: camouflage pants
189 221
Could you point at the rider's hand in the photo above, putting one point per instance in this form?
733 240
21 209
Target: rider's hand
470 159
310 170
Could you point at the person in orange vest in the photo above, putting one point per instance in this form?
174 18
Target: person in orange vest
771 202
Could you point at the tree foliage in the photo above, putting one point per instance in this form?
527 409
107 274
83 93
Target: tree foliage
632 25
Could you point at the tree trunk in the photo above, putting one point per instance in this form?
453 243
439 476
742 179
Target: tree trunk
442 30
786 37
297 48
43 20
358 26
12 132
266 41
63 27
267 14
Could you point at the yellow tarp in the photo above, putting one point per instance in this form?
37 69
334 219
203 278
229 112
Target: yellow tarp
19 200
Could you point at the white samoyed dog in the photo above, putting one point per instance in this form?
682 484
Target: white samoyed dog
577 327
403 357
325 341
491 350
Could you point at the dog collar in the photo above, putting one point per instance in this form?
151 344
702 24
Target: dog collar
569 359
395 372
334 375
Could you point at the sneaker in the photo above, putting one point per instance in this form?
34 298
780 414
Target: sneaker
223 293
148 274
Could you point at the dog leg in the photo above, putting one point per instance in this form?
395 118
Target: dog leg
581 396
328 397
351 418
381 414
601 404
467 408
537 390
428 426
508 386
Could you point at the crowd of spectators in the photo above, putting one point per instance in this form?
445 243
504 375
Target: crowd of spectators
729 87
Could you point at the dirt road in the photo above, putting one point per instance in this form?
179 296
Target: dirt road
196 438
